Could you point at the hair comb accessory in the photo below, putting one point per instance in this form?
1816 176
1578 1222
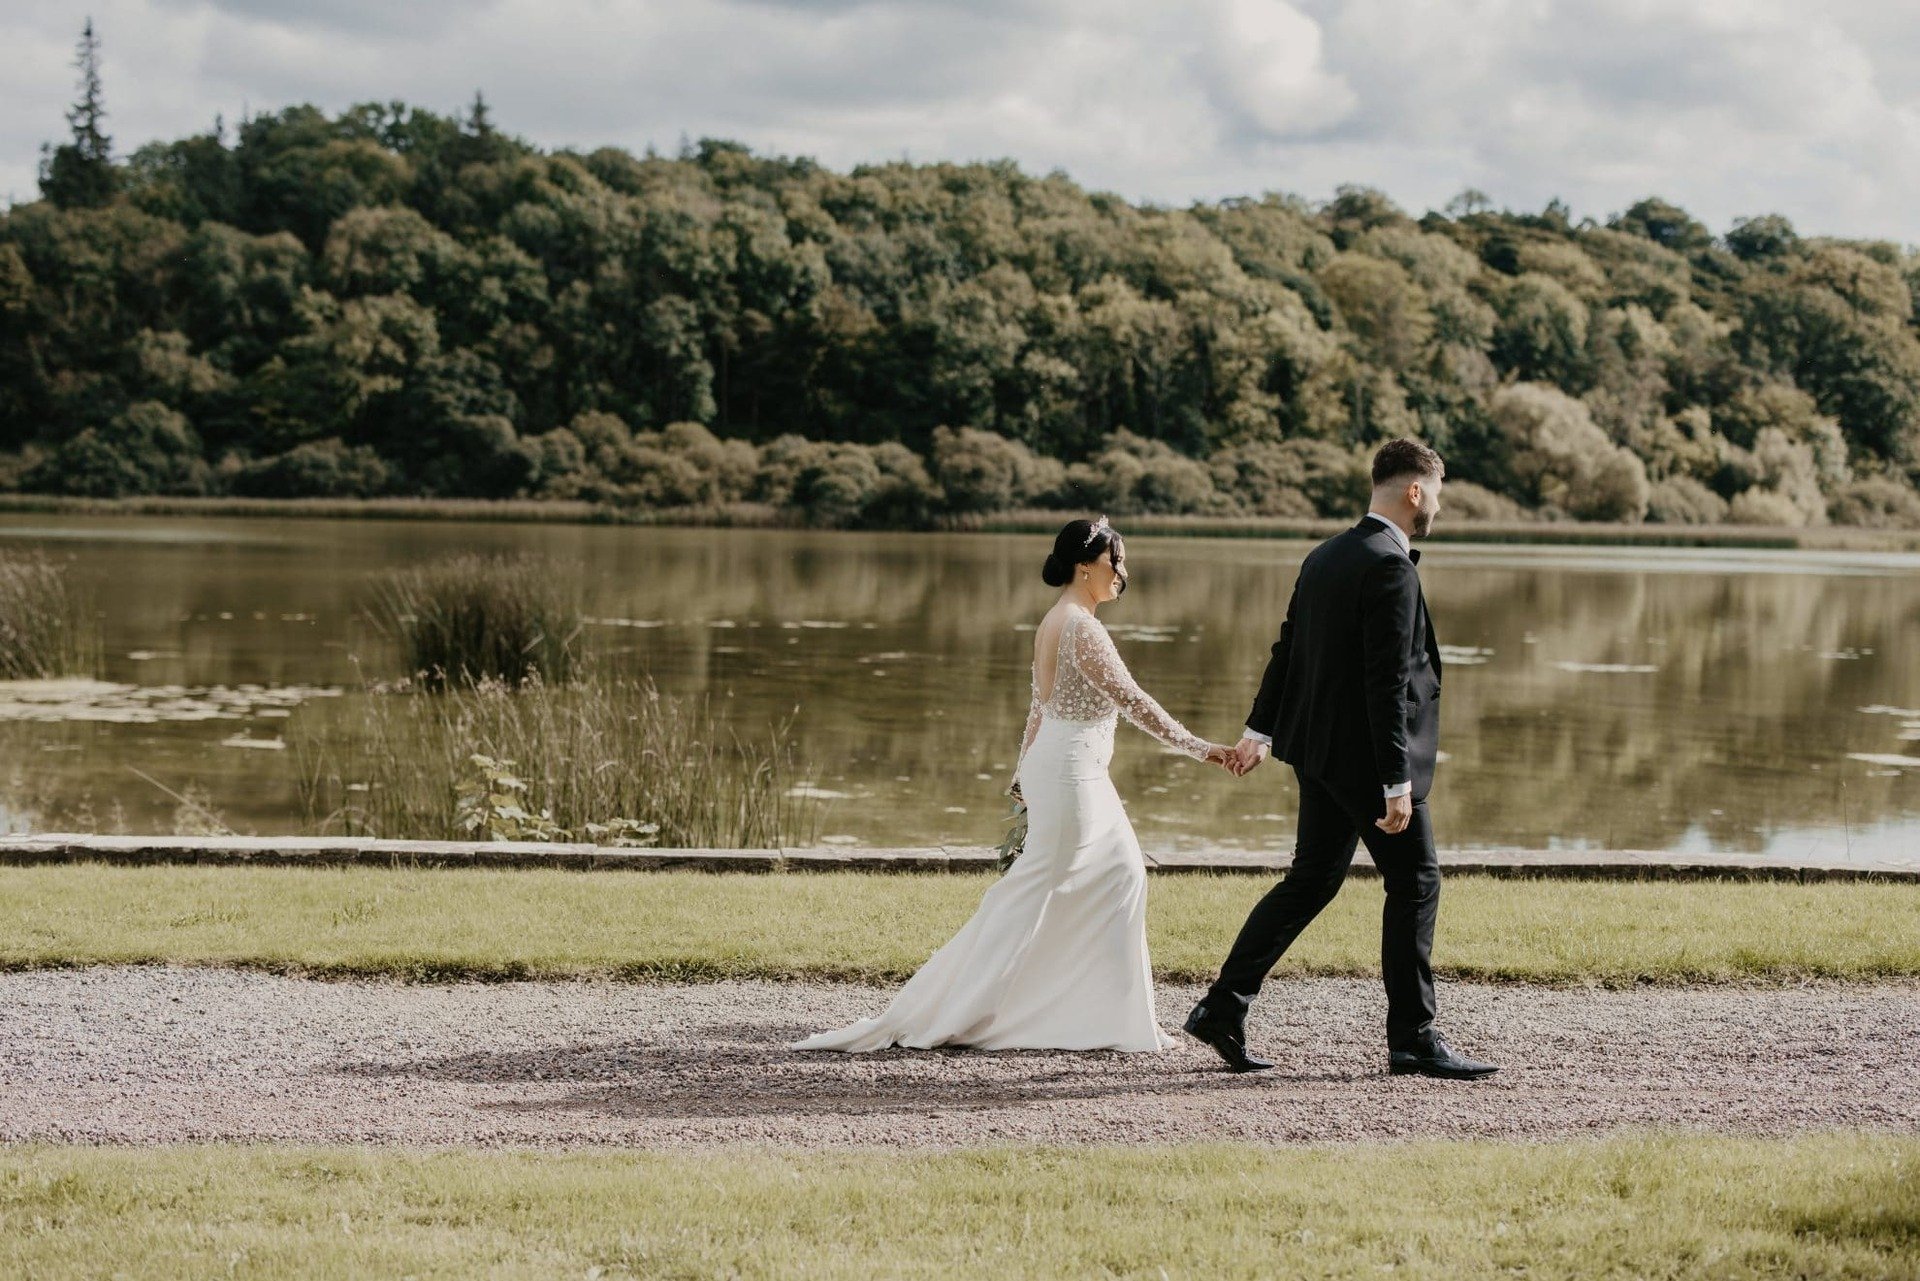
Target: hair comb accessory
1099 527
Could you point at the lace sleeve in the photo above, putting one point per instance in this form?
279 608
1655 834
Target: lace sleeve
1091 651
1033 727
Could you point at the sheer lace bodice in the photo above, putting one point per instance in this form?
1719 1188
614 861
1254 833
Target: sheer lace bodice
1091 685
1056 956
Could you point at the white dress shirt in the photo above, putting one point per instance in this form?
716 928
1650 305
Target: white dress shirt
1406 545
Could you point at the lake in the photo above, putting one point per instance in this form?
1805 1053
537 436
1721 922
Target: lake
1757 701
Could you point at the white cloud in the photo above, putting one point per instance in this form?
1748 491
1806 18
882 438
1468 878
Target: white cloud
1728 107
1267 59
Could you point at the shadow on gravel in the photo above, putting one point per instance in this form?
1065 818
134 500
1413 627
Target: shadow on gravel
750 1097
723 1078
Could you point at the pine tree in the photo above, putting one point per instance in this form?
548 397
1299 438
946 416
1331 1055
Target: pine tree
79 174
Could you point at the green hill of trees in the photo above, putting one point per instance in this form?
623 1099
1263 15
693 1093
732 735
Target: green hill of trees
393 301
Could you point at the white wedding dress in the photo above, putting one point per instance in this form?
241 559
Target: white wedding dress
1056 955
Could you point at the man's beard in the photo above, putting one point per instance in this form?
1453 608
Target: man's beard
1423 522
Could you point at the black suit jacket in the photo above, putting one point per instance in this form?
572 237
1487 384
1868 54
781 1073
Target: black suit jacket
1352 693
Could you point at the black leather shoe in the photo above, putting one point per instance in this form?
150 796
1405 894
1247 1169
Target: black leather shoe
1432 1056
1227 1037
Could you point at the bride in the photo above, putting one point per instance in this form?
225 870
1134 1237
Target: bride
1056 955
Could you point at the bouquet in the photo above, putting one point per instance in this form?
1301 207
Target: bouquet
1016 837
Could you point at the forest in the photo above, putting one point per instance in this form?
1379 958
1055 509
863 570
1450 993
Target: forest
393 301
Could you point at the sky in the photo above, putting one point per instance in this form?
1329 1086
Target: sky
1729 108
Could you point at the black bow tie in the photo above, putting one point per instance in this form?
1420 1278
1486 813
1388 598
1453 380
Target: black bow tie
1415 554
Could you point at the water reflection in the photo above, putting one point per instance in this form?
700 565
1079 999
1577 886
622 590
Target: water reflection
1645 698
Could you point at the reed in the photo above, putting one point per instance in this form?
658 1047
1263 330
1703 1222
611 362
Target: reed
48 627
475 617
1848 538
600 749
532 511
499 510
754 515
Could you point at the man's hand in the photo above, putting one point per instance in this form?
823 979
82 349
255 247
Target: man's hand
1248 753
1399 814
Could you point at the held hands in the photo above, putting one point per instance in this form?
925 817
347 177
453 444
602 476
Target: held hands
1247 754
1239 759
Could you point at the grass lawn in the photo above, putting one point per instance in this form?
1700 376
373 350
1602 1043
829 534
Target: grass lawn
437 924
1827 1206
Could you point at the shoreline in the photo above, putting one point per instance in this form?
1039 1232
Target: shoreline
66 848
760 516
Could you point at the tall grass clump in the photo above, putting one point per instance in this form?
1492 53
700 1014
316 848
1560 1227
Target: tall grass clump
600 752
47 624
475 617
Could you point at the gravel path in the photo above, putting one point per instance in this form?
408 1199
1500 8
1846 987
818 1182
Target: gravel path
142 1055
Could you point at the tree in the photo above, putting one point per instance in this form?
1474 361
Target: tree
1836 323
1878 502
301 171
22 381
148 449
1681 500
317 469
1541 335
467 314
1468 203
79 174
1355 209
1768 236
1294 478
1384 307
979 470
1561 459
1667 225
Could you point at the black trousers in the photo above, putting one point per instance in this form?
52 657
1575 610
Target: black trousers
1333 820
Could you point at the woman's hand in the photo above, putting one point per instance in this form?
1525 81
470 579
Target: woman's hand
1220 754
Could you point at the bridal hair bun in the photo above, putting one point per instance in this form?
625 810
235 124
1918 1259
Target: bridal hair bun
1081 542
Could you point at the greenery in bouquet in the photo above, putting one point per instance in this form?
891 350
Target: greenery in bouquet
1016 837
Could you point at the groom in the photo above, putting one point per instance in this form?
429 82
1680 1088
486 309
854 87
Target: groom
1351 700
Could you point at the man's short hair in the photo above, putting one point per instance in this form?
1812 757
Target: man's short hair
1405 459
